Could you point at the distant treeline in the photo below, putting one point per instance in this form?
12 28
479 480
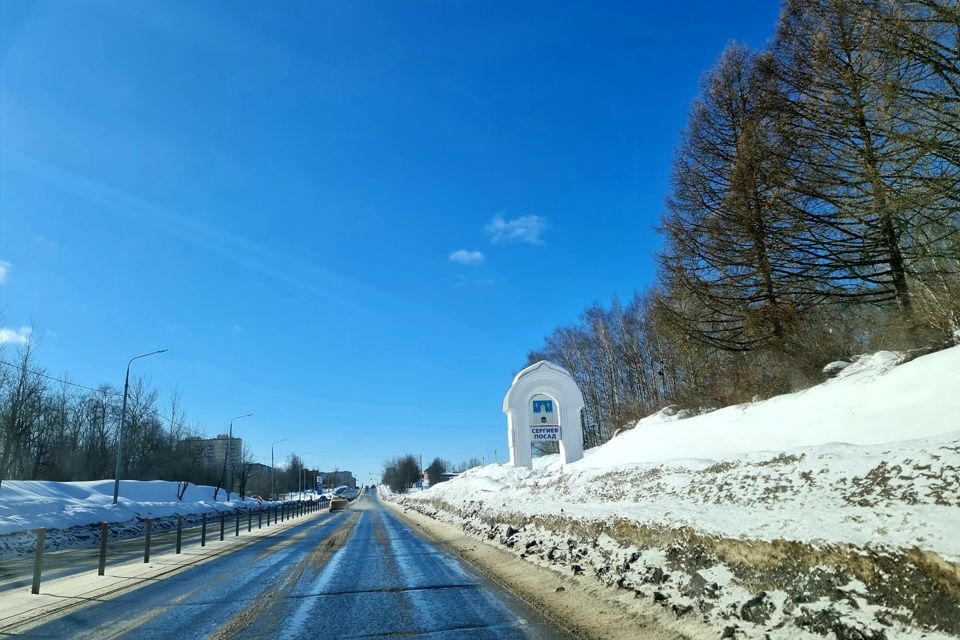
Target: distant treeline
55 429
813 215
403 472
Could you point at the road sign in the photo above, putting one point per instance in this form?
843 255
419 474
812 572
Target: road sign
539 433
419 485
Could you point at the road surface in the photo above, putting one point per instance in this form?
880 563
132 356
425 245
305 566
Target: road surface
356 574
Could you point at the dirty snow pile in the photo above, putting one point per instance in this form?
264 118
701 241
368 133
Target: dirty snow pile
868 457
808 514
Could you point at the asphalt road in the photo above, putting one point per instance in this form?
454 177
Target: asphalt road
356 574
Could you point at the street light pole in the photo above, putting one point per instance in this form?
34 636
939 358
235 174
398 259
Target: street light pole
123 418
230 454
303 467
272 492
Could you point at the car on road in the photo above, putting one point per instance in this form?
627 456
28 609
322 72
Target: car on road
339 504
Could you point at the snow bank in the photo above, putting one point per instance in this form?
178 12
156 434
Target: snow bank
28 505
864 458
870 402
766 519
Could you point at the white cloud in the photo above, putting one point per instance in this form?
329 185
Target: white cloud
4 271
467 257
523 229
15 336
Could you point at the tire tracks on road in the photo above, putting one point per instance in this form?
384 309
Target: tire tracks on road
262 605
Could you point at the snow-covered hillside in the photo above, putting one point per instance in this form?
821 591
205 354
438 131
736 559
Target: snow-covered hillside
872 401
865 465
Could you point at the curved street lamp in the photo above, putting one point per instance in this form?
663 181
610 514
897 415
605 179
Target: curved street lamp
230 454
123 418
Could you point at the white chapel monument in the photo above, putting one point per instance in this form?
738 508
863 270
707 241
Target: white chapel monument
544 404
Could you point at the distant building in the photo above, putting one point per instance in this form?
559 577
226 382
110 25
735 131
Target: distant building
257 470
447 475
334 479
211 452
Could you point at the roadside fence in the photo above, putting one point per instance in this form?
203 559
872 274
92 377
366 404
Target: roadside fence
279 512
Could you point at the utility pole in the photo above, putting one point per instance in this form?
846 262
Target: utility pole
123 418
303 467
273 493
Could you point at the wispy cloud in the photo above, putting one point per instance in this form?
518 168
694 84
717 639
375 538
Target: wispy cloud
464 281
527 229
9 335
306 276
467 257
4 271
45 243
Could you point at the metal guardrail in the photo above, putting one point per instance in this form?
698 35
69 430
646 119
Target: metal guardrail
279 512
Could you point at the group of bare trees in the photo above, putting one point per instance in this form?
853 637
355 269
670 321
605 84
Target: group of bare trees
54 429
814 214
403 472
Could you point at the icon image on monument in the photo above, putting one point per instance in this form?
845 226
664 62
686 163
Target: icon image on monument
543 406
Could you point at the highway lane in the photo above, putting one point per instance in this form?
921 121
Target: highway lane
353 574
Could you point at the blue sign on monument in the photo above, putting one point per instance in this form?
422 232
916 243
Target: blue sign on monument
543 406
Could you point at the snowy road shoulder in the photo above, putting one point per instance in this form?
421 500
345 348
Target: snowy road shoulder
20 610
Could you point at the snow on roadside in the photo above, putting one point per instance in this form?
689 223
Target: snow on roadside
69 510
28 504
803 493
809 466
902 495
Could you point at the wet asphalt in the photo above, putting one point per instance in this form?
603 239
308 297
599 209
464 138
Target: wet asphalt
361 573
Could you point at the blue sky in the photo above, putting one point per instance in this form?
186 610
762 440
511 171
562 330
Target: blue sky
354 219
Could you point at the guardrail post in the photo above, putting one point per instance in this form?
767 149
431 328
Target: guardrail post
221 526
259 517
236 531
203 530
249 519
103 549
179 532
146 546
38 560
